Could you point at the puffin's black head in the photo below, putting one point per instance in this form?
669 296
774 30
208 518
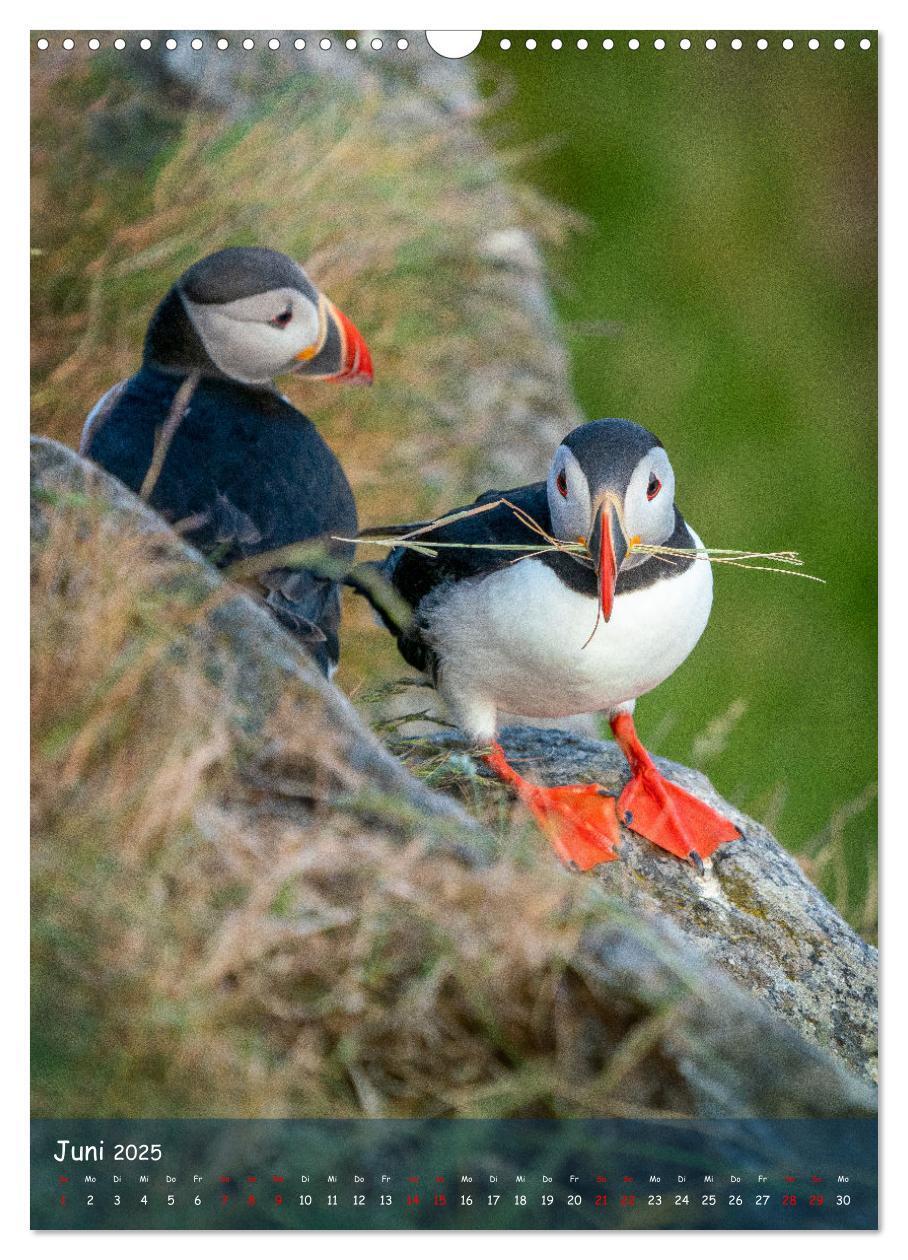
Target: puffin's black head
253 314
610 483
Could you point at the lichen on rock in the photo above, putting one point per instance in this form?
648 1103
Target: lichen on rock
754 914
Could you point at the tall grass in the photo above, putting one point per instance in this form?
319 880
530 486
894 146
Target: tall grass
392 215
398 212
214 934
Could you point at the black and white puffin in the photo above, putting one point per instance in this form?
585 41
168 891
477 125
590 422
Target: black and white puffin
555 634
202 432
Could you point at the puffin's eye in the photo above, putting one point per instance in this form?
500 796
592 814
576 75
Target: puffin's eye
561 483
655 485
282 320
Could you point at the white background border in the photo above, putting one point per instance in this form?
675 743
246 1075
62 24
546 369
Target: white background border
229 15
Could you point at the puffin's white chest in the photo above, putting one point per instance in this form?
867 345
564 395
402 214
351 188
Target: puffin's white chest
520 639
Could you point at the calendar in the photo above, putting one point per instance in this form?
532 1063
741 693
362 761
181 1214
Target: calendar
453 504
455 1175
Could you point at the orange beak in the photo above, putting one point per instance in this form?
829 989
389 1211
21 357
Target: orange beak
340 354
608 547
357 361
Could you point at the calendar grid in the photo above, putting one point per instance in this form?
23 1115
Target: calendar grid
454 1174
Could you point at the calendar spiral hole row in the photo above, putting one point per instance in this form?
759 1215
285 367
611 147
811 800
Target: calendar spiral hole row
376 43
530 44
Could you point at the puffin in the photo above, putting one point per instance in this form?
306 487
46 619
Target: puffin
554 632
204 435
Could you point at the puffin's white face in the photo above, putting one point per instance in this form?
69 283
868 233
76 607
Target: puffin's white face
570 502
609 503
647 500
254 339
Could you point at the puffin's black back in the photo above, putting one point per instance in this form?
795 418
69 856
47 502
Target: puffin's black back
254 472
415 575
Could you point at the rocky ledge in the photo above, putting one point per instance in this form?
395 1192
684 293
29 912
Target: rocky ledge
742 992
753 913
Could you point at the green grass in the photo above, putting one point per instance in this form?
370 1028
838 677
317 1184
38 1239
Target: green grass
725 296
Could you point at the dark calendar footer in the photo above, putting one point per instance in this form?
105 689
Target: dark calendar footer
454 1174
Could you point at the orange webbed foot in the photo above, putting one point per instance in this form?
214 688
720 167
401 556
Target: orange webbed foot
662 812
673 819
578 819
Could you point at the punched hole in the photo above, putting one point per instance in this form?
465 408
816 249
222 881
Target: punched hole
453 44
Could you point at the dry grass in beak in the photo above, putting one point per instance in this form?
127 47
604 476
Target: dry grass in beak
576 550
730 555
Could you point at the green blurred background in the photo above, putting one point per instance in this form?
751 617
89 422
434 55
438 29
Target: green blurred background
724 295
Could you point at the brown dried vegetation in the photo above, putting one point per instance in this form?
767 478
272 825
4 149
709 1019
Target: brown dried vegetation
217 933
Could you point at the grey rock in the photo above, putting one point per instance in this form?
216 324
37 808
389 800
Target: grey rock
753 914
731 1054
266 665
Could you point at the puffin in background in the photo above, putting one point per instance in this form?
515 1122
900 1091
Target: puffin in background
555 634
203 434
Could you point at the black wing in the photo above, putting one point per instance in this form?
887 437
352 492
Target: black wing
309 607
414 575
304 602
245 474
